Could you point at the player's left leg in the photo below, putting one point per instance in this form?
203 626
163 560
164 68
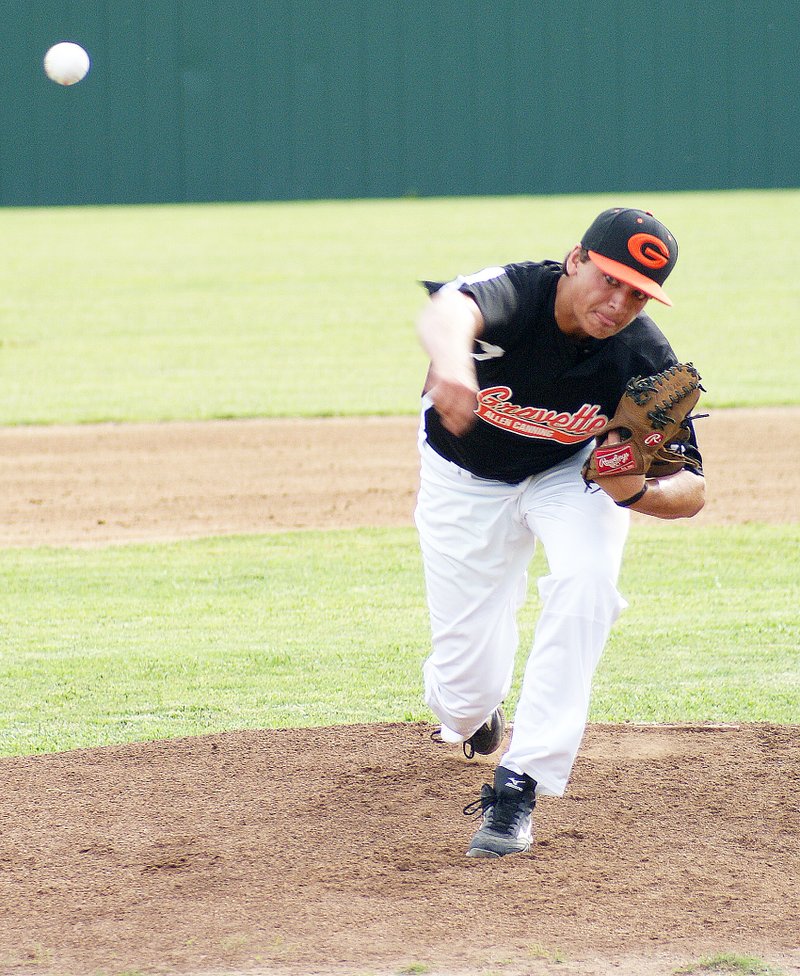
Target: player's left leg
583 534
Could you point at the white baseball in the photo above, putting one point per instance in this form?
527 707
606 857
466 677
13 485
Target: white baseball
66 63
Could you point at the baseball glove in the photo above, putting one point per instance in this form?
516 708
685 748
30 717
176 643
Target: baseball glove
652 420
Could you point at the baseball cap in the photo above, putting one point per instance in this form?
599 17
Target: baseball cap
634 247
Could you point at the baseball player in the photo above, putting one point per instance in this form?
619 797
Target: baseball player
528 363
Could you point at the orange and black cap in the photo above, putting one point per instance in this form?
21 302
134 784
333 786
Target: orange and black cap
634 247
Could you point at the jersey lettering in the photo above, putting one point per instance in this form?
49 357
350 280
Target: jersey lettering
495 408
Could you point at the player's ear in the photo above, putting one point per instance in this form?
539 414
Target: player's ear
572 260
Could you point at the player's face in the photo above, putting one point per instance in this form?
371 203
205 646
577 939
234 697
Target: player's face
600 306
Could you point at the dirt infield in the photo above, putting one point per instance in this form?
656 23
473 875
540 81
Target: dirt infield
341 851
106 484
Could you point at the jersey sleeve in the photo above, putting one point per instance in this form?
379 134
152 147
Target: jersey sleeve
510 298
492 290
495 294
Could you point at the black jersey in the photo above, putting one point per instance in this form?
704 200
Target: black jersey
542 395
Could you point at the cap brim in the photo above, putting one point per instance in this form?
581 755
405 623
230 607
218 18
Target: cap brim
631 277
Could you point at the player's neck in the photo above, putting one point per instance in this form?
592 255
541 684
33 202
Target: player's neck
566 319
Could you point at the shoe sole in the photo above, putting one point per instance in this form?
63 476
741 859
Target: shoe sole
479 853
482 852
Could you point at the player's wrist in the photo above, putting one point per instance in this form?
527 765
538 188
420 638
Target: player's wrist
627 502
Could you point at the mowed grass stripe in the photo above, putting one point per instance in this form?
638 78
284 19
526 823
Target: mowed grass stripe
318 628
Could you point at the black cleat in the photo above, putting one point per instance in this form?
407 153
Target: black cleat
488 737
507 810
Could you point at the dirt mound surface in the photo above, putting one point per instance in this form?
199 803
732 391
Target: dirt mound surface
341 851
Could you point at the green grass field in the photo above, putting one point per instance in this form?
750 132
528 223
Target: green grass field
158 313
298 309
299 629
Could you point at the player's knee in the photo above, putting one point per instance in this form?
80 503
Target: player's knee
585 591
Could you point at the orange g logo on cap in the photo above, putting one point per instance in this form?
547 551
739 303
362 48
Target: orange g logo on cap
649 250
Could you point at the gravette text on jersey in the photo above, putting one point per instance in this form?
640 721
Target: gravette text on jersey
494 407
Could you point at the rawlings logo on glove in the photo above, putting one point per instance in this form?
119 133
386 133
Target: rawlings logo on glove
652 415
616 459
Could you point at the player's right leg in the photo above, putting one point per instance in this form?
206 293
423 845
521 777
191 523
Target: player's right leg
476 549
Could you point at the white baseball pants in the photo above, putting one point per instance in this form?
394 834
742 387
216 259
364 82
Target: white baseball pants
477 538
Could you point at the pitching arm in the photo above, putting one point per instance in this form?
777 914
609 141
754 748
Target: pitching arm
447 328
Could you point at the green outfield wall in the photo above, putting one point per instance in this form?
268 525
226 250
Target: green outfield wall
202 100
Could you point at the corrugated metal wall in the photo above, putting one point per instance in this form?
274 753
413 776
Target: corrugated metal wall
194 100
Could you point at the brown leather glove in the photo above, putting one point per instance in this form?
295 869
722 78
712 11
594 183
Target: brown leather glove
651 420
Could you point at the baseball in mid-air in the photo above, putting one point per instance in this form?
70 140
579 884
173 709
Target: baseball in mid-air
66 63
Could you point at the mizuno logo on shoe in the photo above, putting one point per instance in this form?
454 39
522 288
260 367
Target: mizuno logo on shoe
515 784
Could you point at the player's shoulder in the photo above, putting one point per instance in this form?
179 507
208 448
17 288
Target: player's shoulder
532 283
645 345
532 272
522 274
509 296
464 282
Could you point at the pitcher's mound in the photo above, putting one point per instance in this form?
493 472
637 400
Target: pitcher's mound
341 850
